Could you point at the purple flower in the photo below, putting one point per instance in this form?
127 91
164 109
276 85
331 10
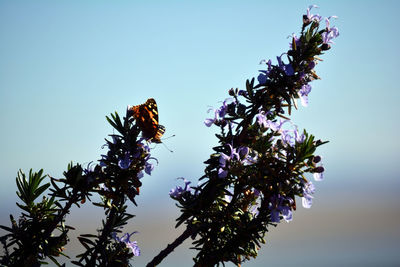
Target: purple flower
288 69
286 138
234 154
327 38
287 213
262 119
329 34
300 138
319 173
125 162
279 205
254 211
177 192
223 159
219 114
275 126
221 111
228 198
103 187
209 122
275 216
311 65
129 244
243 151
296 40
303 94
115 139
333 30
307 198
308 18
222 173
148 168
102 161
242 93
262 78
89 169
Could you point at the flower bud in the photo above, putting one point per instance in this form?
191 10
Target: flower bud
325 47
316 159
306 21
319 169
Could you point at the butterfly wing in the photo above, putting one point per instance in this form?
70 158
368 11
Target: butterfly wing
159 134
146 116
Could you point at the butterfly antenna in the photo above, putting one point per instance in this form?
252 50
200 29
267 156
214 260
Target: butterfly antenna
168 137
167 148
166 145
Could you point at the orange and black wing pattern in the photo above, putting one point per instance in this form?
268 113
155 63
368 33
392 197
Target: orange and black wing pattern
146 116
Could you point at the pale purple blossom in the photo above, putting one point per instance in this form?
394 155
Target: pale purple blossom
287 138
223 159
228 198
262 78
242 93
177 192
307 198
129 244
222 173
254 211
275 126
308 18
245 157
148 168
102 160
219 114
303 94
287 213
264 122
209 122
300 138
125 162
333 30
262 119
330 33
279 205
287 68
318 176
103 187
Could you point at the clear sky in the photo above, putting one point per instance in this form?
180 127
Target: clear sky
65 65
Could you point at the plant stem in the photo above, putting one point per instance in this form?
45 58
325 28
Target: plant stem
164 253
60 216
106 231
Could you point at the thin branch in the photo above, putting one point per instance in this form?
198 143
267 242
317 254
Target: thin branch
164 253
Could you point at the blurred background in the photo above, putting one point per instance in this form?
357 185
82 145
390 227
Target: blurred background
65 65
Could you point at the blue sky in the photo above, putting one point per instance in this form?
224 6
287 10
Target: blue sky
65 65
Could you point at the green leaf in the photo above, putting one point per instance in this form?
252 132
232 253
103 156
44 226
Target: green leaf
88 235
8 229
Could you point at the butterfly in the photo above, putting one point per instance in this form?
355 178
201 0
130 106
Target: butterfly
146 116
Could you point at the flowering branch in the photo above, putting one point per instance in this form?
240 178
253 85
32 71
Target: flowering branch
260 164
